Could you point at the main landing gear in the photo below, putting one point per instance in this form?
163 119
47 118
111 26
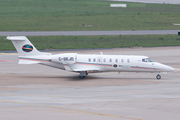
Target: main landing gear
83 74
158 77
82 77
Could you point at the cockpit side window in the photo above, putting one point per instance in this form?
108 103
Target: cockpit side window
150 60
147 60
144 60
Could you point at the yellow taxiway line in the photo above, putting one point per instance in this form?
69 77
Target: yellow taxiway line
9 53
177 69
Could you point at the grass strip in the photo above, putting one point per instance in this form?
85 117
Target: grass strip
83 42
78 15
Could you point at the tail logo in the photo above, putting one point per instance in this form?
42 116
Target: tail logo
27 48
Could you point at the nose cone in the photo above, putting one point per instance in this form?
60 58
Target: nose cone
170 69
164 68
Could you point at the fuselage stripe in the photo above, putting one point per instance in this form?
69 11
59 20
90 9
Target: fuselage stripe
66 65
93 64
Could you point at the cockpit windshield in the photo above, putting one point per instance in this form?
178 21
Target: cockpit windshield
147 60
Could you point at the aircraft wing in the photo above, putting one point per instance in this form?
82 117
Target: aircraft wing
90 69
72 68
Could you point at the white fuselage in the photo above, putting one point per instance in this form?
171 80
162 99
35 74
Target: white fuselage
105 63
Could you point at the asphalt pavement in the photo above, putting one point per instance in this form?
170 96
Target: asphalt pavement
43 93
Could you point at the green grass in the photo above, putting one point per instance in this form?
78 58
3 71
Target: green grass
73 15
80 42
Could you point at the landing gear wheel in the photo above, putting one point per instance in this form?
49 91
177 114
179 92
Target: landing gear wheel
82 77
83 74
158 77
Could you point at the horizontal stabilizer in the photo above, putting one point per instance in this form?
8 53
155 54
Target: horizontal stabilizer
28 62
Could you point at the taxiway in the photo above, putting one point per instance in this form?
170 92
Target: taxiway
44 93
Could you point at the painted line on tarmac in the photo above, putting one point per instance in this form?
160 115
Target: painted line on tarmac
71 110
41 109
9 53
8 60
177 69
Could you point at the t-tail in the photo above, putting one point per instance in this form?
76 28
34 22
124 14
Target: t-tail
28 54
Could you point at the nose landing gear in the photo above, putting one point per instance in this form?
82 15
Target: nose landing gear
158 77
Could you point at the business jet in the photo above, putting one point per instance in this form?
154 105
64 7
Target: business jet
86 63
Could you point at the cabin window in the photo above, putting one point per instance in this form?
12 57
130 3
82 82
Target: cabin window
110 60
94 59
89 59
128 60
99 60
116 60
122 60
59 58
104 59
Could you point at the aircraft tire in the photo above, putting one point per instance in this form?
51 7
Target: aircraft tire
82 77
158 77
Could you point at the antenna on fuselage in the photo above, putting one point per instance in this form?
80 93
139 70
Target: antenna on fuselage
101 53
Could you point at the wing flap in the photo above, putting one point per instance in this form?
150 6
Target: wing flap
90 69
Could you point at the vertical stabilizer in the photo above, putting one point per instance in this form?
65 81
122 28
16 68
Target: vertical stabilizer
24 47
